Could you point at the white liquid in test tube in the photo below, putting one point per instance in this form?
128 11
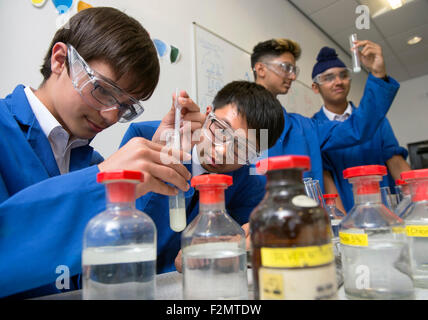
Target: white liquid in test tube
355 58
177 204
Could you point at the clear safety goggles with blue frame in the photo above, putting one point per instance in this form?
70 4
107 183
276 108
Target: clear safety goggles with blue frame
221 134
99 92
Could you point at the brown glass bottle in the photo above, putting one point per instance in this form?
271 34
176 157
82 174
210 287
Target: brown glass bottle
292 253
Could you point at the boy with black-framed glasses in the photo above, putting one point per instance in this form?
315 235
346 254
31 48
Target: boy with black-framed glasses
244 114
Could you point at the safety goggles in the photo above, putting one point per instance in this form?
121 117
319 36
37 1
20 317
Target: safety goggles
220 133
283 69
99 92
329 77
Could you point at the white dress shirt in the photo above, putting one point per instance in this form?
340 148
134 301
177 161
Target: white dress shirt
338 117
59 139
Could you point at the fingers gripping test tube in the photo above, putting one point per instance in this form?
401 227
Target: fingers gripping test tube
177 204
356 67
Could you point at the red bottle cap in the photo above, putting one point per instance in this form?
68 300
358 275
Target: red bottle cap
400 182
211 187
120 185
414 174
361 171
330 196
420 189
120 175
283 162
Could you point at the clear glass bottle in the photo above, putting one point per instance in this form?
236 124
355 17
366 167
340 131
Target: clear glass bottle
375 253
336 217
404 196
416 221
214 257
292 253
119 244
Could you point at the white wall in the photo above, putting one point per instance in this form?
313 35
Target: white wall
25 33
409 113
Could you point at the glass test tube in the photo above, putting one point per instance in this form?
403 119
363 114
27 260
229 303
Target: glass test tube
355 58
177 204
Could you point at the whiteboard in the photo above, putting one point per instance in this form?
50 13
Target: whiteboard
301 99
218 61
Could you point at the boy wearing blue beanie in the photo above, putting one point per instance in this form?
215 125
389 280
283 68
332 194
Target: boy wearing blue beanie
274 66
332 80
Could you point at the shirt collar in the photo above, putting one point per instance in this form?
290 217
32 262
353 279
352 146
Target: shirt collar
47 121
338 117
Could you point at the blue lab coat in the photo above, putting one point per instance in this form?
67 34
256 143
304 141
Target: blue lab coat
240 198
380 148
42 213
306 136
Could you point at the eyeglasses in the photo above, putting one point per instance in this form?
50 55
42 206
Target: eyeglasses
220 133
99 92
284 69
329 77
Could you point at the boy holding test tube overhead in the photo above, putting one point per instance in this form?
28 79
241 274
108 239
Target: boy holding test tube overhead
274 66
332 80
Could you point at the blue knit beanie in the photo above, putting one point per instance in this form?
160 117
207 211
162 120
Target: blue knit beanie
327 58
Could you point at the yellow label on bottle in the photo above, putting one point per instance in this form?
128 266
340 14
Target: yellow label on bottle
354 239
398 230
417 231
297 257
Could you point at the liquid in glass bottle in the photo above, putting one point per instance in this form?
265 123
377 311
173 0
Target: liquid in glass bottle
214 257
416 221
119 244
292 253
375 253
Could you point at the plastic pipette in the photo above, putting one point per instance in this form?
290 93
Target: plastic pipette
177 204
355 58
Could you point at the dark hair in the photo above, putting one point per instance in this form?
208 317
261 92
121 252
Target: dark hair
256 104
111 36
274 48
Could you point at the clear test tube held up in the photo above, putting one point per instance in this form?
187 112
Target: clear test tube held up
356 67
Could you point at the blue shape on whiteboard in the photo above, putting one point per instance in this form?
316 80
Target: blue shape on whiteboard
62 5
161 47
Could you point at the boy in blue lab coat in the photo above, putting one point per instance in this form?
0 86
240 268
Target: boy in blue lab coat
95 74
274 67
332 80
240 110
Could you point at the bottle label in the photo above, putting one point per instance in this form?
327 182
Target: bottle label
298 284
417 231
354 239
298 257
